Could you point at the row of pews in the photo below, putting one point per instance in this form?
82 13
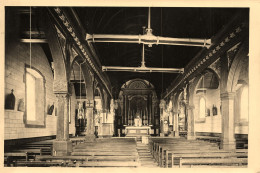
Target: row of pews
113 152
241 143
106 152
26 152
179 152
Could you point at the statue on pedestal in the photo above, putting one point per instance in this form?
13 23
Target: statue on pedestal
138 120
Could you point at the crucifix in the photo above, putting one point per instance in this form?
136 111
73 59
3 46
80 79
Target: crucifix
89 104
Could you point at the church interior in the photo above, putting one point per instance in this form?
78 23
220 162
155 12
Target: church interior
132 87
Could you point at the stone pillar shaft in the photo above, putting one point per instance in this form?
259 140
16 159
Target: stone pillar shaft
125 111
62 146
191 131
228 141
150 108
176 124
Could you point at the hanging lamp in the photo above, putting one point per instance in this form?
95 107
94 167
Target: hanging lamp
143 68
148 38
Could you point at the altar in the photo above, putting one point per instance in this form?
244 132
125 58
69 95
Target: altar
137 131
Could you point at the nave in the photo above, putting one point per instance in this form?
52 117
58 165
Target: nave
171 102
128 152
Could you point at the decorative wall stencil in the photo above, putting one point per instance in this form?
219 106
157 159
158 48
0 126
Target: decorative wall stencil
231 53
10 101
73 55
216 67
62 39
137 85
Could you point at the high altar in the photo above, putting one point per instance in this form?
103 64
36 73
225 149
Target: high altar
138 129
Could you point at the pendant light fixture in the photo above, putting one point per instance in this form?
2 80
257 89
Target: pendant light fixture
148 38
143 68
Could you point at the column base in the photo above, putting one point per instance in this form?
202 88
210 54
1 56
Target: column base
176 134
171 134
90 138
189 137
162 134
62 148
229 146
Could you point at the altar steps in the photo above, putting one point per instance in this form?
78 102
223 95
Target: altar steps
145 156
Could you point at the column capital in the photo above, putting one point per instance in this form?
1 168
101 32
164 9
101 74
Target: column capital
227 95
62 95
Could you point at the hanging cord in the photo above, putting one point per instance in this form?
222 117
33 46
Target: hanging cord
162 51
30 37
80 82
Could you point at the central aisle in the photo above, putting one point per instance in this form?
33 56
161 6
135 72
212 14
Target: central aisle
145 157
115 152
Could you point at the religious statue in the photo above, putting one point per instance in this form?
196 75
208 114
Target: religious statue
138 121
111 114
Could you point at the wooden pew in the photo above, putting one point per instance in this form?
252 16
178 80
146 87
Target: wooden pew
177 155
162 154
45 147
38 164
106 153
213 161
160 148
25 155
82 159
108 164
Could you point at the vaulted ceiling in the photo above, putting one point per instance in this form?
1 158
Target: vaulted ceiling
168 22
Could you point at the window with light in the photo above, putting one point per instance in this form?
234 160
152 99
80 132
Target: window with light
35 97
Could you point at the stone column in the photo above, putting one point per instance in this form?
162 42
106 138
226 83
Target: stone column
62 146
171 124
228 141
191 131
162 107
89 131
125 110
150 108
176 124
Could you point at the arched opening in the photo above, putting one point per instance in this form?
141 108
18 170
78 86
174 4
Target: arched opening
78 98
137 100
98 110
207 103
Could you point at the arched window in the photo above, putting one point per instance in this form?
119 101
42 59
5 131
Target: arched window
202 110
35 97
244 104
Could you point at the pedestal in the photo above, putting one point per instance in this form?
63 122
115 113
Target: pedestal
90 138
62 148
106 130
